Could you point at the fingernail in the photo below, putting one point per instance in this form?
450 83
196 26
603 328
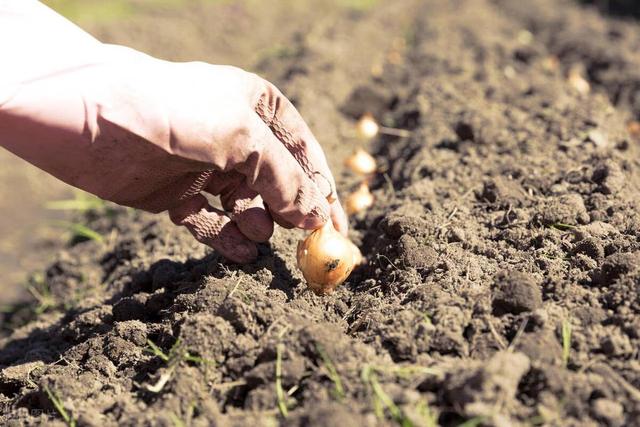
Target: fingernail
313 222
313 205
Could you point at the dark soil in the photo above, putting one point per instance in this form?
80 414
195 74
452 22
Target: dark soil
503 277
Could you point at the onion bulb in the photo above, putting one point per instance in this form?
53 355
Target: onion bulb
359 200
367 127
326 258
579 83
361 162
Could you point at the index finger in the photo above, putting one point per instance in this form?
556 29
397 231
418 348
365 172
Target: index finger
286 123
272 172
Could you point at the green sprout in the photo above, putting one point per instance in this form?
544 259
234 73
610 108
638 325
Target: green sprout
427 414
176 355
157 351
80 231
381 399
562 226
39 289
473 422
332 372
81 202
282 399
57 403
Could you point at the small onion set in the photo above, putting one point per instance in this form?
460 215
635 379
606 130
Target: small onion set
368 128
361 162
326 258
359 200
578 82
364 164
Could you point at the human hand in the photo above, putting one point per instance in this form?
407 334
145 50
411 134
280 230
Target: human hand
157 135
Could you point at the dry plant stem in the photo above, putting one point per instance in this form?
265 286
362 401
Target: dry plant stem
401 133
518 335
566 342
496 335
162 381
230 384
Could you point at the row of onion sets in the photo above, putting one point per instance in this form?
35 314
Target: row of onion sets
327 258
364 164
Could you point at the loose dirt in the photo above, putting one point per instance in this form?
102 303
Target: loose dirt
503 278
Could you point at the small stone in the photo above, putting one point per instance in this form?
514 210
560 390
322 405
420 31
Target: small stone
539 317
609 176
595 229
516 292
617 265
608 411
590 247
456 234
616 344
598 138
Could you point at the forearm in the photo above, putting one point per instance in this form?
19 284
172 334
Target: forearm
42 113
38 42
56 85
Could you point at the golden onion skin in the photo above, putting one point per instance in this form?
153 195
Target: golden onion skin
367 127
359 200
326 258
361 162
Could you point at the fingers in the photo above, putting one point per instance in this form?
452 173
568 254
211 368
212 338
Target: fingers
279 220
248 212
339 218
289 127
244 205
272 172
214 229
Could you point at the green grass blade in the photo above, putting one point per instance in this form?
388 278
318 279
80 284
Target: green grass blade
79 230
332 372
74 205
157 351
473 422
57 403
